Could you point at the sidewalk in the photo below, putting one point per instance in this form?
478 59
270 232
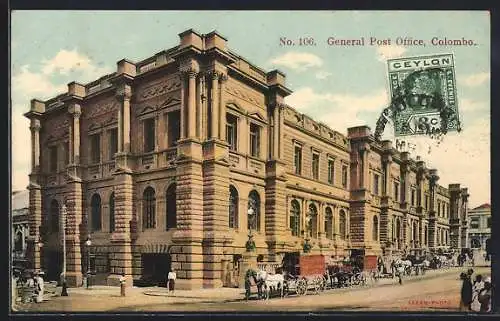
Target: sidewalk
223 294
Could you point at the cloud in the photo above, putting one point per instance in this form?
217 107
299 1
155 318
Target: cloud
338 110
27 84
299 61
322 74
474 80
472 105
50 80
388 52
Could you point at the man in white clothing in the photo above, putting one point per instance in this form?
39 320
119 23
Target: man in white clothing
39 284
171 280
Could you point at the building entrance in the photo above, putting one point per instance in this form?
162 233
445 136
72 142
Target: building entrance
53 263
155 267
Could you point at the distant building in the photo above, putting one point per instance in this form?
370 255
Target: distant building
20 228
479 226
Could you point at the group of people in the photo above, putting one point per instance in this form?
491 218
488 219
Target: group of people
475 296
34 283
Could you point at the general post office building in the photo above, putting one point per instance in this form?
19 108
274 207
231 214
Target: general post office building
169 162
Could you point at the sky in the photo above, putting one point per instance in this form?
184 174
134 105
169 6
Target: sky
341 86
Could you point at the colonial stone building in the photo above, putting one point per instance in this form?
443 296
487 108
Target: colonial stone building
170 162
19 228
397 206
479 223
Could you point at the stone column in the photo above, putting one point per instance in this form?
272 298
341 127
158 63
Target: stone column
214 105
191 107
121 238
222 107
200 123
75 226
187 250
35 144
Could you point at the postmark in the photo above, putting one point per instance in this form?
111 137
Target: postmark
423 96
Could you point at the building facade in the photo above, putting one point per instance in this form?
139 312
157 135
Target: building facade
397 206
479 222
19 228
171 161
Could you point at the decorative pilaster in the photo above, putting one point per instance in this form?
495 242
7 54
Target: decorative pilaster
123 95
214 105
222 106
35 144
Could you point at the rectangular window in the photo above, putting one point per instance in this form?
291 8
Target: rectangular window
254 140
95 148
439 208
113 142
488 222
331 171
426 202
149 135
474 223
298 160
396 191
315 166
174 129
344 176
53 159
412 197
376 183
232 131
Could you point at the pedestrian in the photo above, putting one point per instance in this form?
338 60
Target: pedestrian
123 281
485 296
14 291
476 289
400 271
466 292
40 286
171 280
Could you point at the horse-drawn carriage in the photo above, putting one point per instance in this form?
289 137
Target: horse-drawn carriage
305 276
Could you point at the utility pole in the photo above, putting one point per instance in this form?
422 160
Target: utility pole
64 291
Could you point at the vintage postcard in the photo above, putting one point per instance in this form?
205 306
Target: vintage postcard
171 161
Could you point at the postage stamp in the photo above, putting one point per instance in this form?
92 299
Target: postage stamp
424 95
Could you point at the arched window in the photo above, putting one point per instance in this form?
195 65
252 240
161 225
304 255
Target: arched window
54 216
312 221
149 208
95 204
112 212
18 243
233 207
415 233
295 218
171 207
375 228
342 224
253 210
329 223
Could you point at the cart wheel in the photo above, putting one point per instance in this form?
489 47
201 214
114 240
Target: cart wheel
301 287
286 289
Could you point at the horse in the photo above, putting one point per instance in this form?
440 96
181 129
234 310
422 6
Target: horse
270 282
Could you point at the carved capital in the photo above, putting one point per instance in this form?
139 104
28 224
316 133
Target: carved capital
35 124
223 77
75 110
189 68
124 92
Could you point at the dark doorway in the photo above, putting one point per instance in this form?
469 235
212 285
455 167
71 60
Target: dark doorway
155 267
291 263
53 262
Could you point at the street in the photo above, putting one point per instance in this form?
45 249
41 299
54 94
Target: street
437 290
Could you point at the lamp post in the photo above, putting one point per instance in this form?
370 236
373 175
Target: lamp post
88 243
64 291
250 246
